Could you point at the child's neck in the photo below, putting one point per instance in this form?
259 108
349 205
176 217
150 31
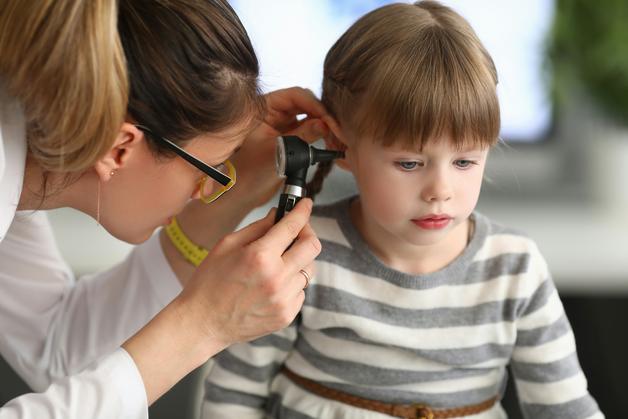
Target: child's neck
408 258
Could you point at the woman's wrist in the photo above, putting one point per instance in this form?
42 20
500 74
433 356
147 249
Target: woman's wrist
191 252
181 267
172 345
204 225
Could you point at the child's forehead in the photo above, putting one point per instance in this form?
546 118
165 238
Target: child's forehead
405 145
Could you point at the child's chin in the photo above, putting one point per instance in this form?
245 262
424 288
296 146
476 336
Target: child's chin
427 237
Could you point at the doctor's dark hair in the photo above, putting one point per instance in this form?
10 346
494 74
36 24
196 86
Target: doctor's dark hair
407 74
192 68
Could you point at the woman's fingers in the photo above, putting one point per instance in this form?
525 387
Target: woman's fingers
282 234
253 231
310 130
249 285
284 106
332 126
294 287
304 249
294 101
308 273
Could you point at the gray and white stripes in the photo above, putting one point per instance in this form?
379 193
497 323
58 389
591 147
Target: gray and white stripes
443 339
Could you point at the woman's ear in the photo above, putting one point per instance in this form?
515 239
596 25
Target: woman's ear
123 149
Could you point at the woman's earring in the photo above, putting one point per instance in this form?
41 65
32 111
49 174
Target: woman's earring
98 204
113 172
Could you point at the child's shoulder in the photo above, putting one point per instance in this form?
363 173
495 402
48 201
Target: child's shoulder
334 209
506 251
496 227
498 238
331 221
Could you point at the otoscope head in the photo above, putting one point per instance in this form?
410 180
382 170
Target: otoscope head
293 155
319 156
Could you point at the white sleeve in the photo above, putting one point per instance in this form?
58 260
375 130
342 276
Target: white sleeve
111 389
54 326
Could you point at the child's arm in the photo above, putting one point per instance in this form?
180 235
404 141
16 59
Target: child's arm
549 380
238 384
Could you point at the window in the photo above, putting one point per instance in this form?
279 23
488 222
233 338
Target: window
291 38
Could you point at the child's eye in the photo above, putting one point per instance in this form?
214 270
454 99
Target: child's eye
408 165
464 164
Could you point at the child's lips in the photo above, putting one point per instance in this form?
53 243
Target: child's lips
434 217
433 221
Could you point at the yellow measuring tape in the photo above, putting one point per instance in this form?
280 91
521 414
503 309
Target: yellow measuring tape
192 252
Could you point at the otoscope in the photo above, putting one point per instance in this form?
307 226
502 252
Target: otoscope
293 157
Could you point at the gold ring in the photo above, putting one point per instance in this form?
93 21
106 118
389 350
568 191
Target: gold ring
307 278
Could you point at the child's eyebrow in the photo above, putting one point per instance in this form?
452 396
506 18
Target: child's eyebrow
465 150
472 149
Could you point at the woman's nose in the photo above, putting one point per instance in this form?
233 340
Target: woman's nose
196 194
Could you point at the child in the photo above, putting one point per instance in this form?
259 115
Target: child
419 303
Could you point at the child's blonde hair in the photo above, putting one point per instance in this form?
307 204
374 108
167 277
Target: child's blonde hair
406 74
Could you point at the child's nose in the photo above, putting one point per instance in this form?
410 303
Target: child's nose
437 190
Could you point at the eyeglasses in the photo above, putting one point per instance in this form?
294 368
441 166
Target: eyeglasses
219 179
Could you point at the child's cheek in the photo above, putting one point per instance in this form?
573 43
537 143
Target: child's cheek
386 201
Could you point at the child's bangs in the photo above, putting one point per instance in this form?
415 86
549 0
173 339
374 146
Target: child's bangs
426 93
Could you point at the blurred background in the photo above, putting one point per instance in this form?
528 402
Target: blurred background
561 175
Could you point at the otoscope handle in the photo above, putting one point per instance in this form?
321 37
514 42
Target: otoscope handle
286 204
288 199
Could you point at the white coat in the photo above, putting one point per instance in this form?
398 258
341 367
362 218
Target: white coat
62 335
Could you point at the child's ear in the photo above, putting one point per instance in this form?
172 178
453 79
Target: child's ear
336 140
332 142
123 149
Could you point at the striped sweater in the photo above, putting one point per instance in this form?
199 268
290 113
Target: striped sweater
443 339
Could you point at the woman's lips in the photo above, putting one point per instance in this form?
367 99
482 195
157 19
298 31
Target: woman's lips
433 221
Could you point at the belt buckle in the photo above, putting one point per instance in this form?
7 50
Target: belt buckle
423 411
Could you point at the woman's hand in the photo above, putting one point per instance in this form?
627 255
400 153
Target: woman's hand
255 162
257 180
248 286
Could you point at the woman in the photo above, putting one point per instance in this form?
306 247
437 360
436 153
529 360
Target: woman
71 137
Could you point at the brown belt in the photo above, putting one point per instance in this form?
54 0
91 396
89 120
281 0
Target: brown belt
408 411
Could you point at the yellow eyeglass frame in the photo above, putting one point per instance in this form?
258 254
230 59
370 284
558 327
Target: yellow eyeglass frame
226 181
231 173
